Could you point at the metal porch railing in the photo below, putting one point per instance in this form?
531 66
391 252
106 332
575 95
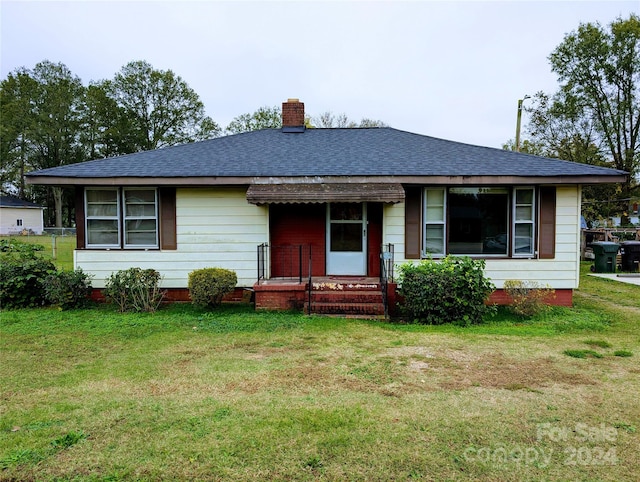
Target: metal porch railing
294 262
290 262
386 274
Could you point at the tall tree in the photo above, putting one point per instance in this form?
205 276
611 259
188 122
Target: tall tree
50 119
595 116
40 123
564 132
526 147
106 128
57 110
164 110
328 120
263 118
16 124
366 122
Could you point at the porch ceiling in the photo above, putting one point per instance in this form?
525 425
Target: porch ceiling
323 193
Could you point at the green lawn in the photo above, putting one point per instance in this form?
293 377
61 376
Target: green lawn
238 395
57 248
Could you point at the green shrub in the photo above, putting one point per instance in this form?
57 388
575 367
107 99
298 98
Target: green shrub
207 286
22 280
17 246
452 290
134 289
69 289
529 298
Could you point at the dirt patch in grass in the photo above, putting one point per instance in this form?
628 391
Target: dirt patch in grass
498 371
303 378
452 369
406 373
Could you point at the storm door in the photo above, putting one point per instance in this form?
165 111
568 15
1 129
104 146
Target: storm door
347 239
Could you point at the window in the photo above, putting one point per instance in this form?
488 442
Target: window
523 221
345 233
434 210
18 222
103 225
480 221
140 218
108 225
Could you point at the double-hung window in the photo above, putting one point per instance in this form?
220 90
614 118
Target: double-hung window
140 218
479 221
435 224
117 218
103 213
523 221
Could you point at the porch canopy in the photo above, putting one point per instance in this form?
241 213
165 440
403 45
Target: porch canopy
324 193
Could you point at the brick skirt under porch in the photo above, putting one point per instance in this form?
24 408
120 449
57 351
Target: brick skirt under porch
563 297
181 295
292 295
281 295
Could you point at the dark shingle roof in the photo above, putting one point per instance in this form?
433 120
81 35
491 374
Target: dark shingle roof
325 152
14 202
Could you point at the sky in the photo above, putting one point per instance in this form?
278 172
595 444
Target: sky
447 69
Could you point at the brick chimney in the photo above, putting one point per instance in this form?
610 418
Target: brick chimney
292 113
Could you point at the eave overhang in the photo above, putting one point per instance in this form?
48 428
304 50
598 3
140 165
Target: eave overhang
482 180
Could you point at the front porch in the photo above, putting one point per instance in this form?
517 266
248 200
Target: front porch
348 296
298 286
325 257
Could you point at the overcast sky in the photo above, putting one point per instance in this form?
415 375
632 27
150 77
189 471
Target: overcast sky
441 68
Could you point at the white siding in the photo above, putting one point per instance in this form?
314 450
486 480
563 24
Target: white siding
216 227
562 272
32 219
393 228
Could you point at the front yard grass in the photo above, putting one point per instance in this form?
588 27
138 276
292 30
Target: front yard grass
58 249
237 395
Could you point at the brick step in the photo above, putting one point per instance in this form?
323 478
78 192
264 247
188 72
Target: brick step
346 309
346 296
344 286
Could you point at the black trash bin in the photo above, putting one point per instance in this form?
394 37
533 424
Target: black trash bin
605 256
630 254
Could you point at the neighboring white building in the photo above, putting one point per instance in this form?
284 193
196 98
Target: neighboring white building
18 216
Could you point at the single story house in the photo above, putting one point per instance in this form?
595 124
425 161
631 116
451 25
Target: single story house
294 208
18 216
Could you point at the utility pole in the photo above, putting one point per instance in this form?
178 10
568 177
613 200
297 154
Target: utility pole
520 101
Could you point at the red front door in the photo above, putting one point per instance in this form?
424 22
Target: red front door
292 225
